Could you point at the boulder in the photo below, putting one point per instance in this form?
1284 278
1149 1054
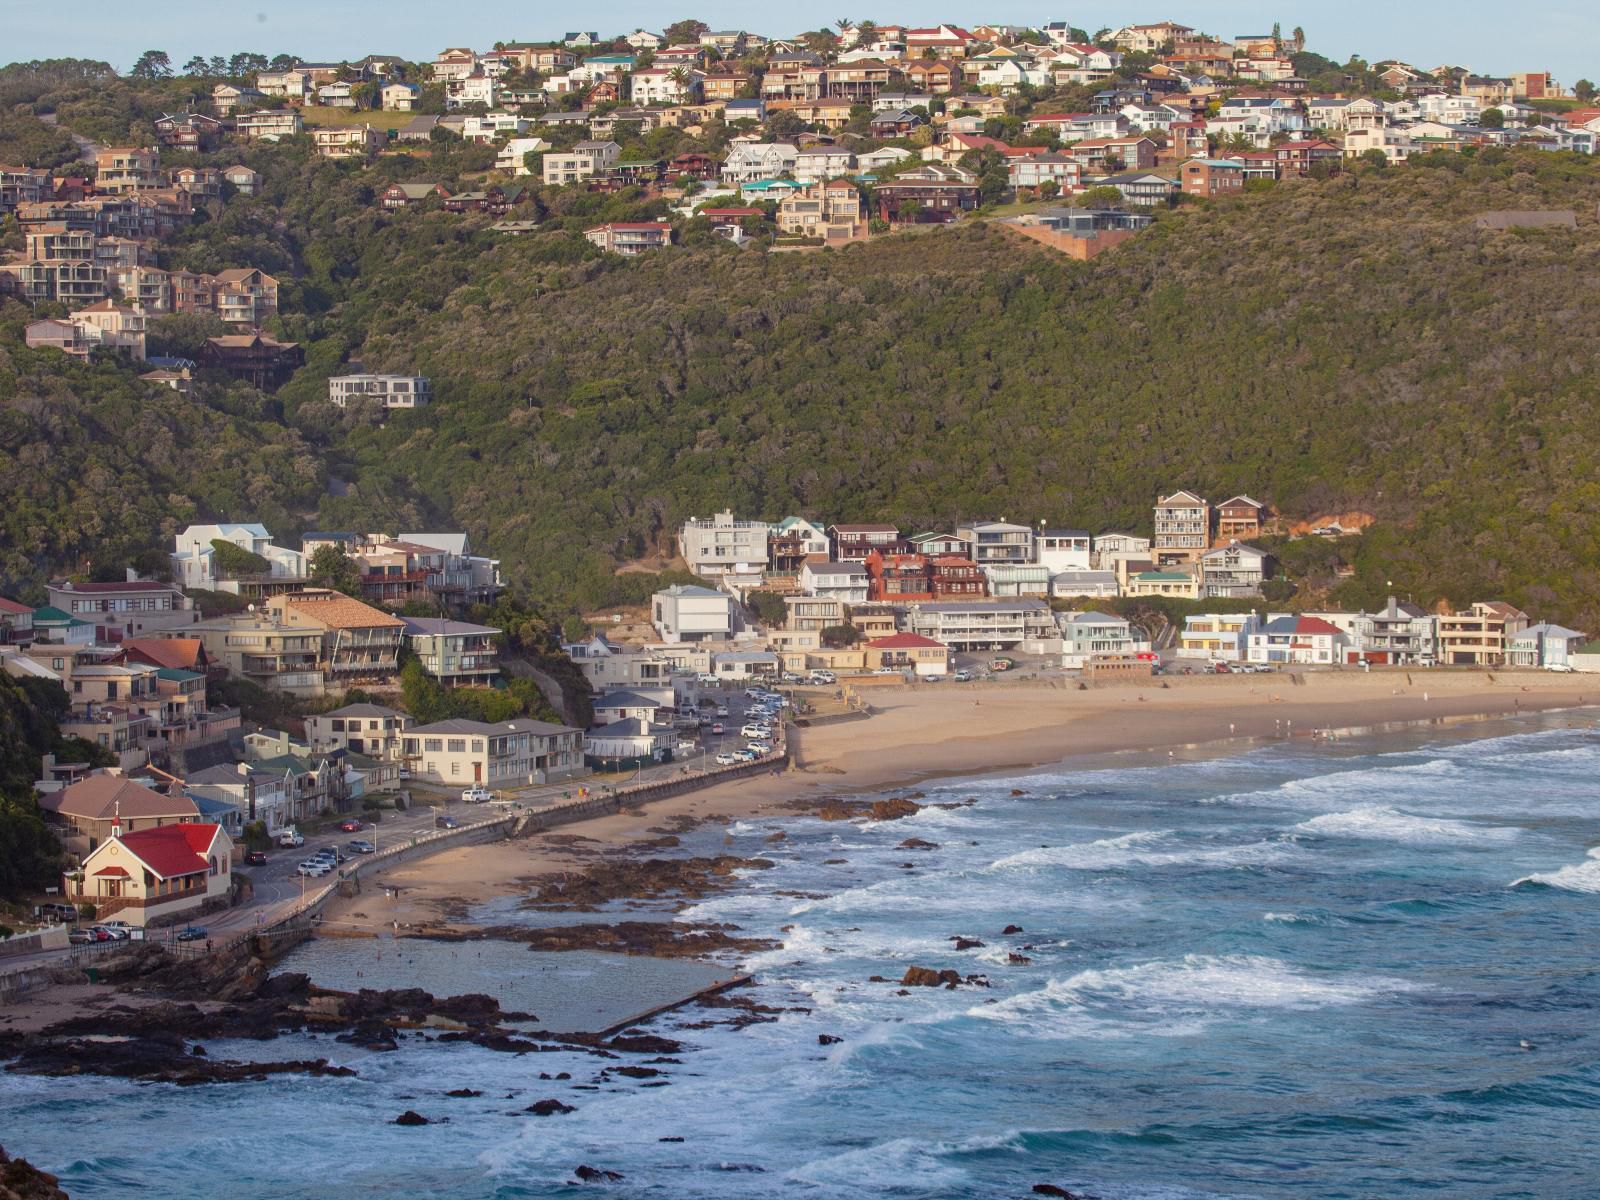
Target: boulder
894 809
828 1039
463 1093
1018 960
965 943
928 977
669 1139
1010 929
1050 1189
411 1118
597 1175
918 844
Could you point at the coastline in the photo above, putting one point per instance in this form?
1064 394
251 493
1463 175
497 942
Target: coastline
950 730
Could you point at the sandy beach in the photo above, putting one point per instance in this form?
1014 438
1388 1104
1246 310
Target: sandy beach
948 729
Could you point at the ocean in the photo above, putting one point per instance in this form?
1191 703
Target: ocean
1357 968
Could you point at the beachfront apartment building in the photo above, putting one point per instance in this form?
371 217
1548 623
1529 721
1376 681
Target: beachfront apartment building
1182 529
268 653
1234 571
124 610
1478 637
723 543
1064 549
848 582
505 754
1089 635
1216 637
997 542
359 643
993 625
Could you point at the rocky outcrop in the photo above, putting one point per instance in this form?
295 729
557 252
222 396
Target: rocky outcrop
918 844
683 879
21 1180
411 1118
154 1058
548 1108
928 977
597 1175
654 939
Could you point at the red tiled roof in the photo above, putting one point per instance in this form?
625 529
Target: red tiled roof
904 641
172 849
1314 625
11 606
112 871
183 653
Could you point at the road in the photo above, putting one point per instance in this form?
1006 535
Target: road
87 150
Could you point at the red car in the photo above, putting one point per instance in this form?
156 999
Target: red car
351 826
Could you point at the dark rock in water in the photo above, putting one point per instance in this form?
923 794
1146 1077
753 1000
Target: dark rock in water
548 1108
1018 792
637 1072
657 1083
1009 929
597 1175
410 1117
834 862
928 977
779 836
978 980
1061 1193
828 1039
545 1075
563 1075
669 1139
197 1050
277 987
894 809
878 979
918 844
21 1180
474 1008
750 1167
902 992
463 1093
963 943
1018 960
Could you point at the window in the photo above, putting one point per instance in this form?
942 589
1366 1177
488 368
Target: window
433 745
458 745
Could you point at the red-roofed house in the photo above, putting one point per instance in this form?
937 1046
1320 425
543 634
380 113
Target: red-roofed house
155 876
16 623
909 651
947 41
1297 158
179 653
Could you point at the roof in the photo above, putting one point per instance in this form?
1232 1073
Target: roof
364 710
625 700
1096 618
1165 576
835 568
905 641
628 727
178 675
171 849
11 606
137 585
958 606
1307 625
435 626
100 797
166 652
341 612
693 591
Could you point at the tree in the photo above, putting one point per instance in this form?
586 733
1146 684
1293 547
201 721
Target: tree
332 568
195 68
233 561
1375 157
687 32
837 637
1492 118
1098 197
1583 90
152 64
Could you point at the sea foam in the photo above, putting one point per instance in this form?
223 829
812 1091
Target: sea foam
1579 877
1390 824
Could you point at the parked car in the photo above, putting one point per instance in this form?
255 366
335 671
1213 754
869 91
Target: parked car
256 858
477 794
360 846
291 839
1561 668
706 679
115 935
351 826
722 711
683 748
192 933
758 747
55 911
791 677
745 756
83 936
444 822
314 868
121 929
719 728
728 759
1221 668
962 676
754 731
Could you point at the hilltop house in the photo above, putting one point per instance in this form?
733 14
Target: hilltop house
156 876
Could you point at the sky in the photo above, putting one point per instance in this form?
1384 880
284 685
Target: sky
1486 37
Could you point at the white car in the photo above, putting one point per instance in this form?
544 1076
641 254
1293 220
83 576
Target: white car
758 747
728 760
1561 668
722 711
755 731
477 794
706 680
315 868
824 677
686 748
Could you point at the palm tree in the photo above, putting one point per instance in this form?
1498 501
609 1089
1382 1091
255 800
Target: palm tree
844 25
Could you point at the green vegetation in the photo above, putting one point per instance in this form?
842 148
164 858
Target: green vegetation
30 856
234 561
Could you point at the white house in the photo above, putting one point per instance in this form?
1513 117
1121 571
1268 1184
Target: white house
474 89
486 127
625 706
398 97
822 163
1543 645
1095 584
846 581
1234 571
877 160
168 872
981 625
812 538
751 162
513 155
744 664
630 739
1395 144
1288 639
1064 549
687 613
194 557
717 545
665 85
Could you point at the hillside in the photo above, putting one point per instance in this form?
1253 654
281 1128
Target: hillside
1328 346
1354 344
